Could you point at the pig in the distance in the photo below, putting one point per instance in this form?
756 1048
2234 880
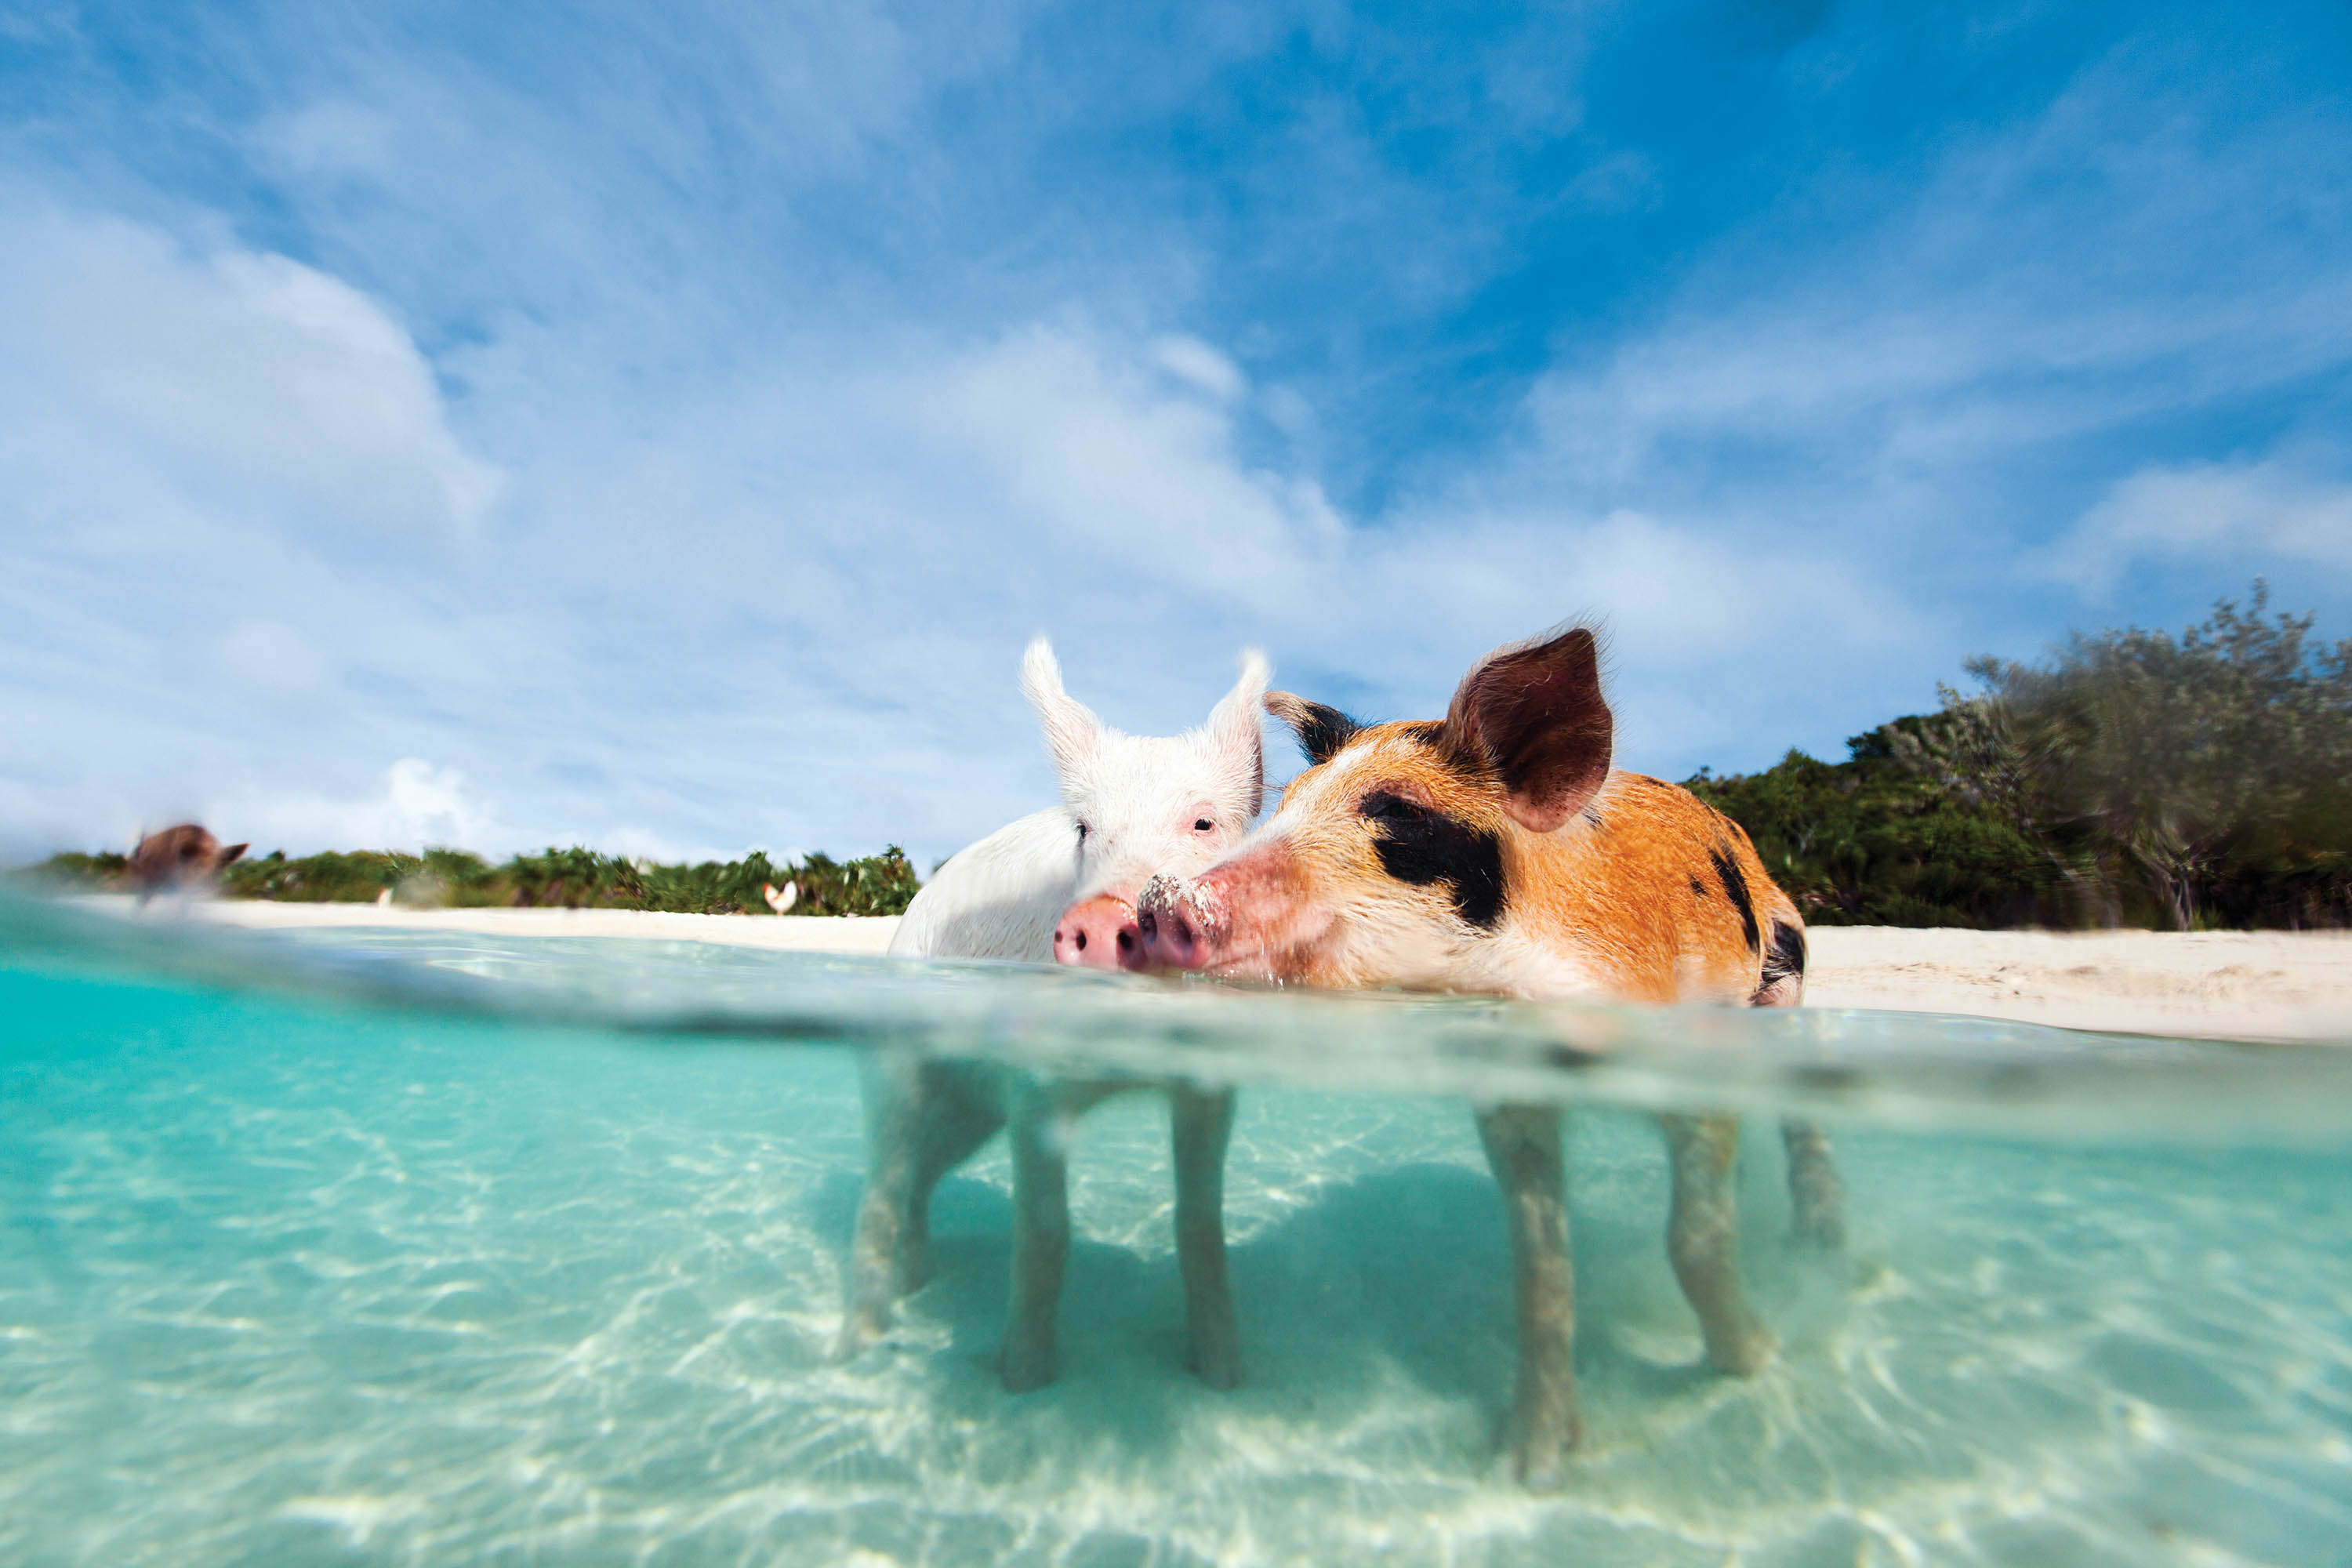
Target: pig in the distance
181 859
1497 852
1061 884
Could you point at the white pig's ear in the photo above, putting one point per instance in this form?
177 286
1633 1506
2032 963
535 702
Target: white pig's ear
1234 729
1073 734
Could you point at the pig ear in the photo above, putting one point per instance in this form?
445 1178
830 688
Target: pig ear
1534 714
1234 730
1321 731
1073 734
233 851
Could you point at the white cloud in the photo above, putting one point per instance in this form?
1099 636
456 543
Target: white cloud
2285 505
236 379
1197 364
419 804
1084 452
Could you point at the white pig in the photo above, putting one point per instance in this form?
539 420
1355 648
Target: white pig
1060 884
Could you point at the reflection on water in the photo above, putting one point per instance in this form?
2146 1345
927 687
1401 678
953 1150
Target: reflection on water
288 1279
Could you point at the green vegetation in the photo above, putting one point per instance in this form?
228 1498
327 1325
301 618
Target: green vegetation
2135 779
1868 841
75 872
880 884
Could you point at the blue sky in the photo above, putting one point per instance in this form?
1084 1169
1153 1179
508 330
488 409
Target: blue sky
662 427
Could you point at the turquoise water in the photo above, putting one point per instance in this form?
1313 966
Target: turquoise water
374 1248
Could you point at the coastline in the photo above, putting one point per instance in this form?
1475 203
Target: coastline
2250 985
2276 985
868 934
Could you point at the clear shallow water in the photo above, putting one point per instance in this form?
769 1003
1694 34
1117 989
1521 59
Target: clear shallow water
454 1250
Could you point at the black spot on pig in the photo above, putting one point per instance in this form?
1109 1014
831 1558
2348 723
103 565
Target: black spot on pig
1735 888
1698 888
1418 846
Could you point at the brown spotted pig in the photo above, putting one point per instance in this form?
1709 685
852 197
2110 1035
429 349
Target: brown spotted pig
181 859
1497 852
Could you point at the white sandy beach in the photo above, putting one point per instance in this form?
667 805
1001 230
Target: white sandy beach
2287 985
2247 985
789 933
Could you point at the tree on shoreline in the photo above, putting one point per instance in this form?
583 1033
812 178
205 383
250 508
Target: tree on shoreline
2199 780
576 878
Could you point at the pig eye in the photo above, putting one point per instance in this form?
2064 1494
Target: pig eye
1204 825
1398 817
1082 832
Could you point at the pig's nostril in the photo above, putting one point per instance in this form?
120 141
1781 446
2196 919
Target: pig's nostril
1127 941
1081 941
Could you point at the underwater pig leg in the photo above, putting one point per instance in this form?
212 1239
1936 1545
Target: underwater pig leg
1816 1191
1523 1148
1200 1125
1703 1240
895 1107
1041 1237
960 1114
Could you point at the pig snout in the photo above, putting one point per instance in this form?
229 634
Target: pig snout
1176 922
1098 933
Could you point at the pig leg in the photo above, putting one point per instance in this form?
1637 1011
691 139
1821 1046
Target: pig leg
895 1106
1523 1148
923 1118
1816 1193
1041 1236
1201 1124
960 1115
1703 1240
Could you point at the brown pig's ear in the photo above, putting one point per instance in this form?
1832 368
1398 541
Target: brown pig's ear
1321 731
1534 714
233 851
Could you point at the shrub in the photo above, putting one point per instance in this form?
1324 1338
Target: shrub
70 871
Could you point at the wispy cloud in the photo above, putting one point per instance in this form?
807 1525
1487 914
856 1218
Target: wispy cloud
139 362
2289 508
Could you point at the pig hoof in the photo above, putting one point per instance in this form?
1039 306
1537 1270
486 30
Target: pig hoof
1748 1353
1538 1454
1218 1365
1547 1474
1025 1365
859 1334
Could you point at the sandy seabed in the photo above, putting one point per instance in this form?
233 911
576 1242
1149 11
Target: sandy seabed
2241 984
296 1279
